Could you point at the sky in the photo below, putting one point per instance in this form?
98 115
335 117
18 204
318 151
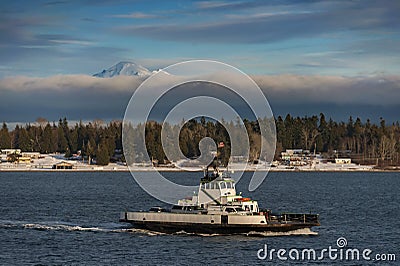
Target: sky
337 57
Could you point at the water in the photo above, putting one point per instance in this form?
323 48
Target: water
72 219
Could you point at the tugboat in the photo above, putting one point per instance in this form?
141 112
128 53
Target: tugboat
218 209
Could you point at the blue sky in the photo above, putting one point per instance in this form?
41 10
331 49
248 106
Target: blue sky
43 38
338 57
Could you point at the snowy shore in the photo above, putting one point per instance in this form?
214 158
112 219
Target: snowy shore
46 164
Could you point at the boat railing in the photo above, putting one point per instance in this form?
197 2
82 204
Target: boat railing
305 218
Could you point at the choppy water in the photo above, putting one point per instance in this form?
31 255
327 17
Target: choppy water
72 219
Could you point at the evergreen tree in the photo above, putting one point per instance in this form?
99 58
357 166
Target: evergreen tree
47 139
25 143
62 145
5 139
15 137
102 154
73 140
90 149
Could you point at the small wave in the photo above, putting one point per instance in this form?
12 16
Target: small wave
61 227
10 224
139 231
182 232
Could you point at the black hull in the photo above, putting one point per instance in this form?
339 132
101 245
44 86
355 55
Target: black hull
221 229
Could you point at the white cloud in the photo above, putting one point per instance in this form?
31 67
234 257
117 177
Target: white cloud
73 42
136 15
69 82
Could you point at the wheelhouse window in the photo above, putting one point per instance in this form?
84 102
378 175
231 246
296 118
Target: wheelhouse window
230 210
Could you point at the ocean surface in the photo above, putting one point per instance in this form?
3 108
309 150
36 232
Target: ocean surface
71 218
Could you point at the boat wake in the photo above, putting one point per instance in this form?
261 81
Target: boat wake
195 234
297 232
64 226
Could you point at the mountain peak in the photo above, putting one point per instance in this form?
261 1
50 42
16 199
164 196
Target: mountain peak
124 68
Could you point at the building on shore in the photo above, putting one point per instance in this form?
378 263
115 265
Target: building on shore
24 160
32 155
343 161
10 151
296 157
63 165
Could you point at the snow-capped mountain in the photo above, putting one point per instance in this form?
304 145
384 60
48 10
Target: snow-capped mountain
124 68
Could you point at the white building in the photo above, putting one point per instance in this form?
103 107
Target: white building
10 151
343 161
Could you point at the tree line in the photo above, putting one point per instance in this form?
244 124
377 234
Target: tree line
93 140
364 142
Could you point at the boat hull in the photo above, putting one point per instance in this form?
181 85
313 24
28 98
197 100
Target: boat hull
209 224
216 229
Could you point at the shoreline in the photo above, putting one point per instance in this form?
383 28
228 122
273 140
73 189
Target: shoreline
371 170
48 161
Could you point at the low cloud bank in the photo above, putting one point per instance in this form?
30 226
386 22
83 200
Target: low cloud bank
86 97
374 90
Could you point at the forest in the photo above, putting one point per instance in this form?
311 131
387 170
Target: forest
363 141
